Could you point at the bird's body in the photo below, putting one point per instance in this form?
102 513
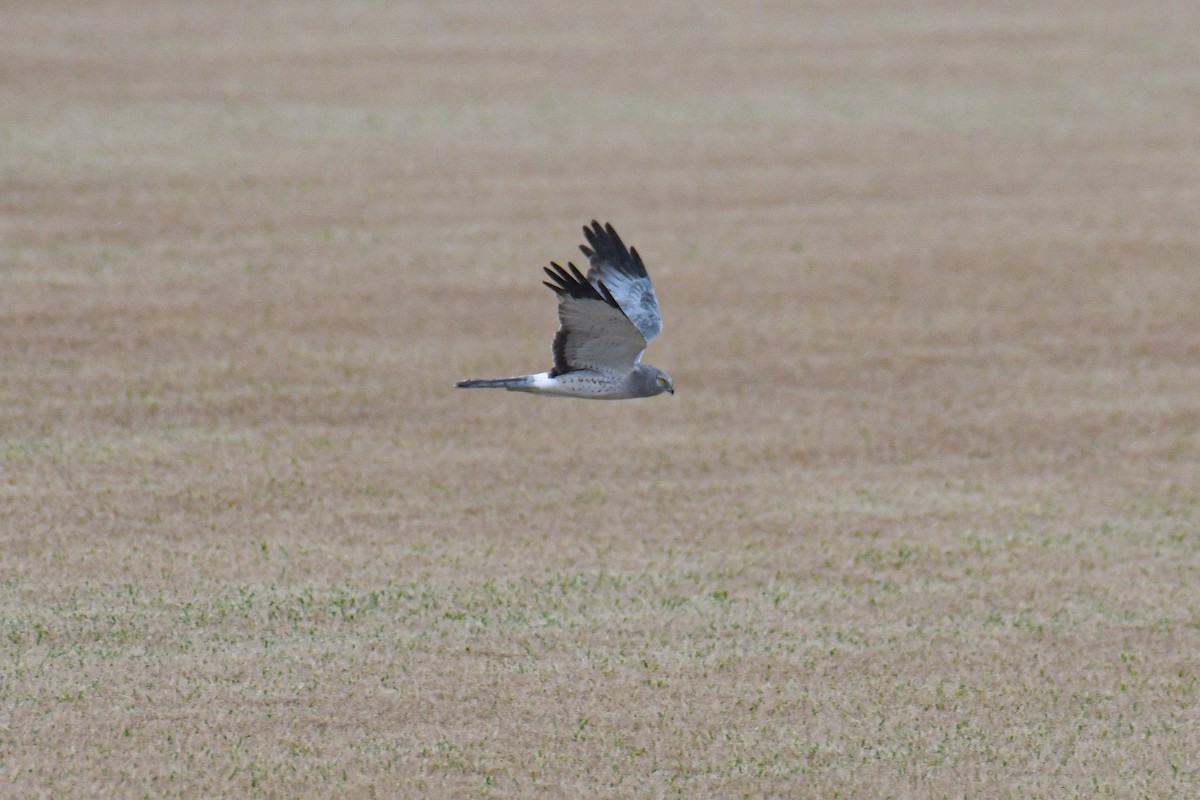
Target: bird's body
606 319
589 384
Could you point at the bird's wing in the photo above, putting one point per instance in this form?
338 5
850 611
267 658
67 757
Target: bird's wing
621 271
593 330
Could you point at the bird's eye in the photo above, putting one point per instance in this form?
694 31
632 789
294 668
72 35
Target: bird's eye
662 381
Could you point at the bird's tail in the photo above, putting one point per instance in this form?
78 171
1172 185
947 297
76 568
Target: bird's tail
497 383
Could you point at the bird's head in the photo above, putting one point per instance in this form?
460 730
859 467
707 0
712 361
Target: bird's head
656 381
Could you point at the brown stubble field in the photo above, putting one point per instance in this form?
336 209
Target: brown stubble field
922 519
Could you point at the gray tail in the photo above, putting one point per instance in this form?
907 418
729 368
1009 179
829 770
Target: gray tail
496 383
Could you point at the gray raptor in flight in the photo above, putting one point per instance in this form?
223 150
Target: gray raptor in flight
605 321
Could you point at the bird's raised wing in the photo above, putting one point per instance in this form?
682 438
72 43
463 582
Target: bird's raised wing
621 271
593 331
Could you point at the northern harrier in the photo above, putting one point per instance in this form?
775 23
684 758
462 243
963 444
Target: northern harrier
605 322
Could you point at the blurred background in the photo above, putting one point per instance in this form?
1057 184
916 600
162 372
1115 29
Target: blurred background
921 515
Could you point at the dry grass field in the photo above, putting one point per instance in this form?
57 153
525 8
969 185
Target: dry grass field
922 519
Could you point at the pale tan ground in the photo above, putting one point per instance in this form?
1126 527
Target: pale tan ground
922 520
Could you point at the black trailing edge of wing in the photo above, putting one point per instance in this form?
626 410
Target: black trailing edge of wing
607 245
573 284
559 349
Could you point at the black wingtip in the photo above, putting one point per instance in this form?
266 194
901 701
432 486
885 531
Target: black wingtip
570 282
604 245
637 261
607 295
594 234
